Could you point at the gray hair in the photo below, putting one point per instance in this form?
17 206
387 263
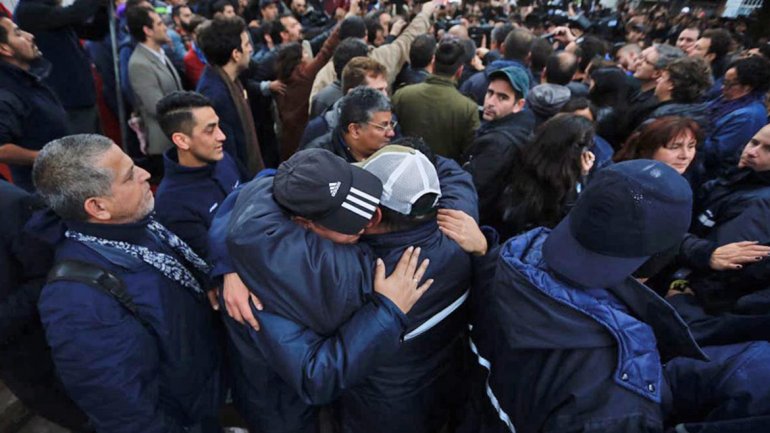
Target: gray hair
360 104
65 173
667 54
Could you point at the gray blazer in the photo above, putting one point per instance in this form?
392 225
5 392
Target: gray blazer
150 81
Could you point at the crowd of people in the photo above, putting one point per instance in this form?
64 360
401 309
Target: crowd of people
392 216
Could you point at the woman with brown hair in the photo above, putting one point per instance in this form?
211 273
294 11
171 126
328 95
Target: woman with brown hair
295 69
671 139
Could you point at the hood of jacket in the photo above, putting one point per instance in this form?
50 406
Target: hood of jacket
332 115
545 312
547 99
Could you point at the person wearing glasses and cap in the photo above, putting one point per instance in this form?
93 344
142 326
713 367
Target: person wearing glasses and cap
568 341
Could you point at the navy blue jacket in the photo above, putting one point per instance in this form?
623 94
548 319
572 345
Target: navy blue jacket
730 209
422 386
125 377
328 290
57 32
422 381
212 86
716 204
30 113
188 197
747 320
563 359
476 85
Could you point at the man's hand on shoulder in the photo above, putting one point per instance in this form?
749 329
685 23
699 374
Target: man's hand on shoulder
462 228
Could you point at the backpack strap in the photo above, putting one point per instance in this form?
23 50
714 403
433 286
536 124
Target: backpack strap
95 276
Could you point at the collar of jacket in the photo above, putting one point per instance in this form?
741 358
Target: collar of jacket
416 236
38 71
747 176
172 167
512 120
332 114
441 80
639 367
341 148
130 232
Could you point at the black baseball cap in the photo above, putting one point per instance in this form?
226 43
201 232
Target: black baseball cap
629 212
322 187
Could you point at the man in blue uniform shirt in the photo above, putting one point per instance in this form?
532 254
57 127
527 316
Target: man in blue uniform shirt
134 339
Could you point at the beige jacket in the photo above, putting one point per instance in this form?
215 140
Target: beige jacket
392 55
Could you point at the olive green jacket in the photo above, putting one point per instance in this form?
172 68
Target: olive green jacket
436 111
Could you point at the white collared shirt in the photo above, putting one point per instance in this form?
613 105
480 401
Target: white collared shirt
161 55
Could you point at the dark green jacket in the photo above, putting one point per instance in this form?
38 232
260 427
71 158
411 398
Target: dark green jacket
436 111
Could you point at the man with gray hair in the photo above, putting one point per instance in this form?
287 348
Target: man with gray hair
649 67
124 309
365 125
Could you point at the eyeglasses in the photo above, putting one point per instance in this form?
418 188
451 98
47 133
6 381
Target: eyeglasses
391 126
730 83
653 64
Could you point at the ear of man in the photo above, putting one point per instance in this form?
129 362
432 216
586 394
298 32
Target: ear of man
181 140
97 209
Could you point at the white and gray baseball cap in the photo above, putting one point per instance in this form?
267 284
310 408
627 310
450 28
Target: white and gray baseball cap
406 175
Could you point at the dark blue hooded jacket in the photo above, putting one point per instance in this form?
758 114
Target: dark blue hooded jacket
562 359
188 197
476 85
128 378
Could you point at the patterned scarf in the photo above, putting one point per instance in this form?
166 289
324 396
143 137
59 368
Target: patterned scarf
168 265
